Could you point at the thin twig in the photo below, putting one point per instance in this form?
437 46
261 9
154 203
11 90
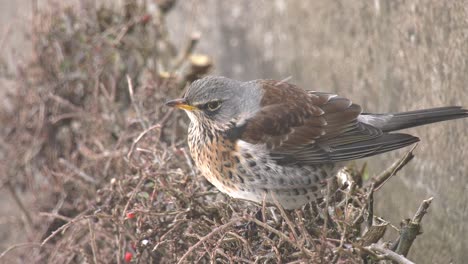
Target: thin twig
189 162
20 203
132 195
142 134
21 245
118 239
93 240
305 233
163 237
65 102
281 235
203 239
370 206
77 171
382 178
65 226
135 105
285 217
264 208
123 31
242 240
323 236
57 216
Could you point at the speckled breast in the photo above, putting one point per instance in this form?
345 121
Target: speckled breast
246 171
215 158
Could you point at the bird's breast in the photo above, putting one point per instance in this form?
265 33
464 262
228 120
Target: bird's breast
215 157
246 171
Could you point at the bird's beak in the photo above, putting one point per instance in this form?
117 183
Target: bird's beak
181 104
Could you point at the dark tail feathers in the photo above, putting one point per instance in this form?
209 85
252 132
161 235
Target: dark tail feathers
397 121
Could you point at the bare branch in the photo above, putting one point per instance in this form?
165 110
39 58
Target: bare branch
410 229
422 210
385 253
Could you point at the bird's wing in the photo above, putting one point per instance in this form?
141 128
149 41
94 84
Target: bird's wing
300 127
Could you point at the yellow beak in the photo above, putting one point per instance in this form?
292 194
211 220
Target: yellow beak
181 104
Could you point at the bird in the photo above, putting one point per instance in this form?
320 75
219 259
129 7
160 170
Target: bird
272 141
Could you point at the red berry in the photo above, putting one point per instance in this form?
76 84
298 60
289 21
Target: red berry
130 215
128 257
146 18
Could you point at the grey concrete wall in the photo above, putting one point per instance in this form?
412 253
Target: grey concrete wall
385 55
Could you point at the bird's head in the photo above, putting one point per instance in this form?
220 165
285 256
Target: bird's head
219 101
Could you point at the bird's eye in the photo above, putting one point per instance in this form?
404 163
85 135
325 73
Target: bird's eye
213 106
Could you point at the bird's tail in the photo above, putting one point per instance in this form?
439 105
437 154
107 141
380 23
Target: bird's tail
397 121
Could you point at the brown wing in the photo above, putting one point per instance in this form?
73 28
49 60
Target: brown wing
312 127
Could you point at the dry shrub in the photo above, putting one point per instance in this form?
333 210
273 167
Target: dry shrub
88 136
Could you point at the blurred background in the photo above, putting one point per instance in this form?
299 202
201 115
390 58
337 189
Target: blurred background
387 56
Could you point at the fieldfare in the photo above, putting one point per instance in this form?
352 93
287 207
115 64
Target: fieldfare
261 138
